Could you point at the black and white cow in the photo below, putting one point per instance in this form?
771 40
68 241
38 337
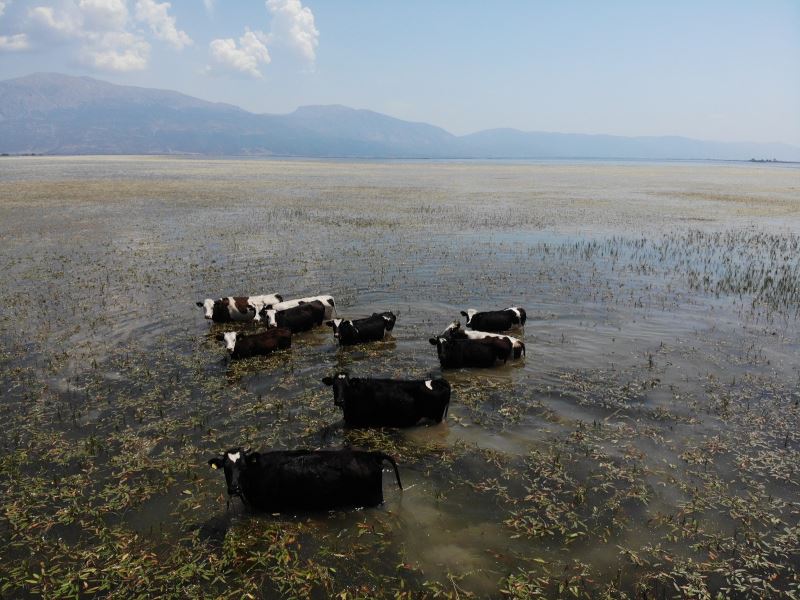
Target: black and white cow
357 331
236 308
305 479
256 344
495 320
457 353
389 402
327 302
454 331
298 318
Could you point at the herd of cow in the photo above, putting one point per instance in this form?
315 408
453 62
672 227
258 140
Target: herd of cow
326 479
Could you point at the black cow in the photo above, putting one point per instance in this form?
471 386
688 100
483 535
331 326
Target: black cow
389 402
357 331
299 318
454 331
495 320
457 353
305 479
257 344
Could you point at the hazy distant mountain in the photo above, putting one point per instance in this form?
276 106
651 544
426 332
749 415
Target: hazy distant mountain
49 113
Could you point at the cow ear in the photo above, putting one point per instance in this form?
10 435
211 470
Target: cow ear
463 313
216 463
219 337
200 304
433 341
329 323
279 297
327 380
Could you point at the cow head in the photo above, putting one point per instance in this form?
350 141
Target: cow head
230 340
469 313
234 463
452 328
208 307
335 324
340 381
389 317
269 315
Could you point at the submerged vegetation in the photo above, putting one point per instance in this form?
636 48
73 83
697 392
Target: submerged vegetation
647 447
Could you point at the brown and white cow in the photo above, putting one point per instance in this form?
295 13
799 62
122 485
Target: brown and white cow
236 308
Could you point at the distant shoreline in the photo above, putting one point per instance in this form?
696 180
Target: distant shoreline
189 155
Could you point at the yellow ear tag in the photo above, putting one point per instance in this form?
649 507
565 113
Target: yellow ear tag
213 466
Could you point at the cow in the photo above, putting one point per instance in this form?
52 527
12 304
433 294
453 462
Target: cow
236 308
454 331
256 344
305 479
299 318
357 331
457 353
389 402
495 320
327 302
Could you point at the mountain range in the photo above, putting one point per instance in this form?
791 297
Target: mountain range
50 113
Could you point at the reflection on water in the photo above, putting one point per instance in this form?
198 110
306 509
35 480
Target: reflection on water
652 423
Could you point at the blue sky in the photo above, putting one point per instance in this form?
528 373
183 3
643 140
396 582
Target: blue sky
710 70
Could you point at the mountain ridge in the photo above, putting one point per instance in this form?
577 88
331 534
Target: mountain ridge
53 113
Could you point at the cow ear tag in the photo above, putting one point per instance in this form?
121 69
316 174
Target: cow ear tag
213 466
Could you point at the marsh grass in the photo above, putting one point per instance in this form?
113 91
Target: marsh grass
646 447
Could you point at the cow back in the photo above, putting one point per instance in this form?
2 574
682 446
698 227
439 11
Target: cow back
380 403
313 479
356 331
493 321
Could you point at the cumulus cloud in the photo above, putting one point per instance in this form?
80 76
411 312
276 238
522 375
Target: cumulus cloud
293 26
245 57
14 43
103 33
104 15
116 51
161 23
66 23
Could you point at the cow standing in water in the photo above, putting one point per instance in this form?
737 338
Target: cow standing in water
327 301
299 318
454 331
305 479
358 331
368 402
236 308
257 344
495 320
457 353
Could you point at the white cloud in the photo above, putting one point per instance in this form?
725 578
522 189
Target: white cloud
100 30
246 57
116 51
65 24
209 4
157 16
293 26
14 43
104 15
3 5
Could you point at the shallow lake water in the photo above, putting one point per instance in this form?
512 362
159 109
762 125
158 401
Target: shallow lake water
646 446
